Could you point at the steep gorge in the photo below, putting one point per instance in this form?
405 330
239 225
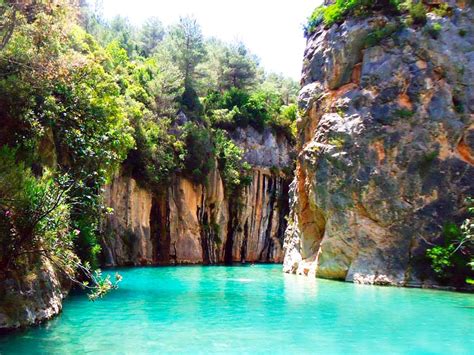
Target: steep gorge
385 161
385 142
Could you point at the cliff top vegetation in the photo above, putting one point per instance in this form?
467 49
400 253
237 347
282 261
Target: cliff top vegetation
339 10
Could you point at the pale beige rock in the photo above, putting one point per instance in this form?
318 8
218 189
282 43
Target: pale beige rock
202 225
128 227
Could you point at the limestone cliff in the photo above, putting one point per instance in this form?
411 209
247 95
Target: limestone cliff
188 223
386 146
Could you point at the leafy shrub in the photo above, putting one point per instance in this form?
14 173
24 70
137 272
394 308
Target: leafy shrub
289 112
199 157
456 255
434 30
158 153
404 113
417 12
378 35
87 245
190 101
33 213
442 10
440 258
258 109
233 168
338 11
35 224
223 118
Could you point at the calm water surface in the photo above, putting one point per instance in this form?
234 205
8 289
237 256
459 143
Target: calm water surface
252 309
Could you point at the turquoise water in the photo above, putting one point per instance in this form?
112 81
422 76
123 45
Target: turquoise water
252 309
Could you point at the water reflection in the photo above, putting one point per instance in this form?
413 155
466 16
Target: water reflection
298 288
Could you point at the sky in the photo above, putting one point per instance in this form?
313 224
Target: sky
271 29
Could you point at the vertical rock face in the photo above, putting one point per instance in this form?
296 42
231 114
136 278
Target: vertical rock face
132 205
189 223
259 223
386 148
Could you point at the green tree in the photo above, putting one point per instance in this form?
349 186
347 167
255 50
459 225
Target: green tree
150 36
210 69
239 68
186 46
286 88
199 159
121 30
234 170
164 84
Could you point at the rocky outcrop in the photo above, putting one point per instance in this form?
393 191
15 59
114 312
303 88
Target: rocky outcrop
189 223
31 297
265 148
386 147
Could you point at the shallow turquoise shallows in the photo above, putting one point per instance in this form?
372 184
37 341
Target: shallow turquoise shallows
252 309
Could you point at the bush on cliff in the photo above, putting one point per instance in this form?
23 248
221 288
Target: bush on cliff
35 224
199 157
338 11
259 109
457 251
341 9
234 169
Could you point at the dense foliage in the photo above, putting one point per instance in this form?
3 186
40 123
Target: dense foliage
456 253
81 96
64 129
337 12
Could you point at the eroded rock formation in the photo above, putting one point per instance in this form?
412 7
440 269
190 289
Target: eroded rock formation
189 223
385 156
31 297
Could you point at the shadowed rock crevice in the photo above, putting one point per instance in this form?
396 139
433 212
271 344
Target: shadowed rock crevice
159 230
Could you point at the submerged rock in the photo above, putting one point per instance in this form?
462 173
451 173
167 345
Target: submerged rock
385 149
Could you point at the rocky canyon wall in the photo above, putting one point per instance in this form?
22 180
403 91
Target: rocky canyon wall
386 147
188 223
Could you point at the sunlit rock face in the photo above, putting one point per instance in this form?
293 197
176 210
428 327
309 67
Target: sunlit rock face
386 149
189 223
